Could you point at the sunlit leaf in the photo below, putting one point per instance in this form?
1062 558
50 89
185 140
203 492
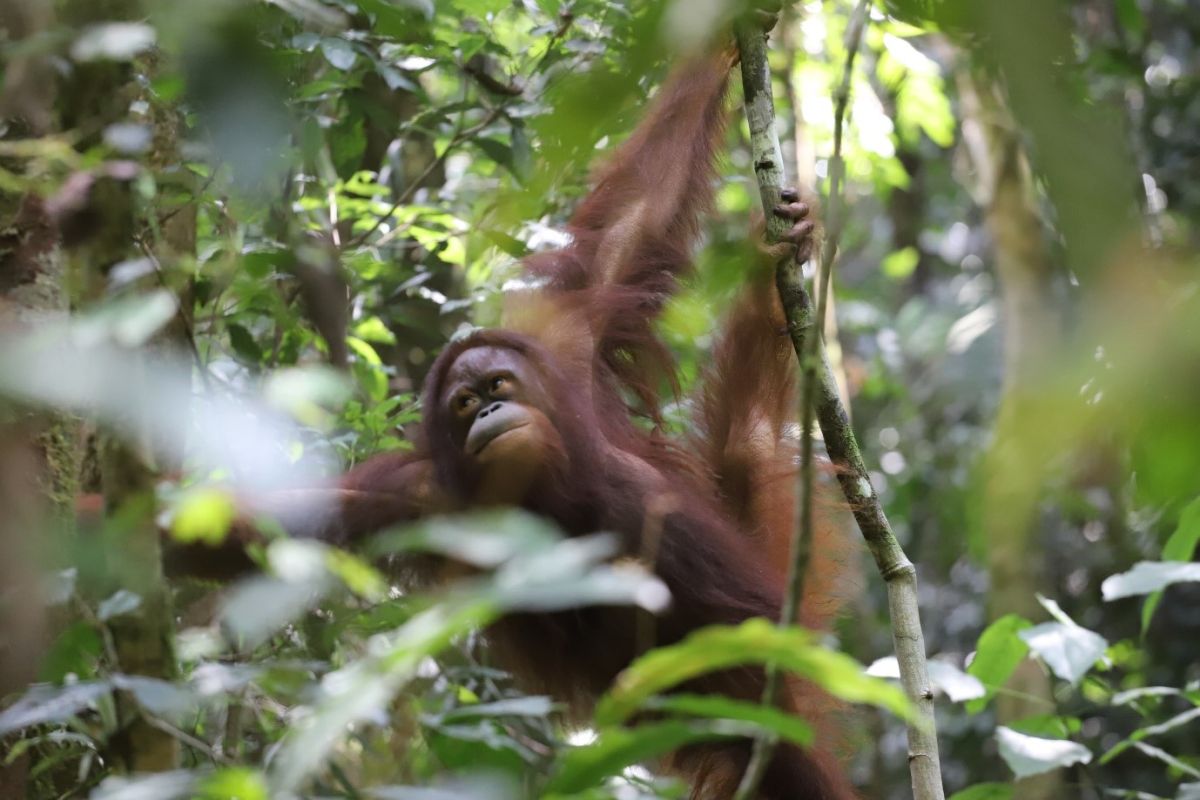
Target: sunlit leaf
985 791
945 677
359 576
998 653
43 704
338 52
259 606
1069 650
1031 755
1179 547
766 718
58 587
531 706
119 602
555 575
233 782
113 41
617 748
480 7
175 785
358 690
161 698
243 343
74 652
900 264
1147 577
372 329
203 514
755 641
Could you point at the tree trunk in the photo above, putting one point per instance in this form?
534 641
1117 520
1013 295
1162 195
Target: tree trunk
96 95
39 452
1032 330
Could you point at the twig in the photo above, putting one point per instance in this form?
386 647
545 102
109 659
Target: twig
180 314
185 737
820 390
415 183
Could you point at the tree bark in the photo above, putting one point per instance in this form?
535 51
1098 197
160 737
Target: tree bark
96 95
39 451
1032 334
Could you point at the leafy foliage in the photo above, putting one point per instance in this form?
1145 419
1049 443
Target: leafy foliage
308 198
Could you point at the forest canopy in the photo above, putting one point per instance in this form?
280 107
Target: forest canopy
240 238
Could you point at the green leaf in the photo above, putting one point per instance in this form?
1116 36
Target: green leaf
570 572
43 704
1179 547
1069 650
1032 755
998 653
161 698
481 8
900 264
617 748
175 785
203 515
233 782
372 329
945 677
259 606
120 602
368 368
506 243
75 651
755 641
113 41
497 151
1130 18
1147 577
359 576
985 791
338 52
528 706
243 343
397 19
764 718
1145 732
363 687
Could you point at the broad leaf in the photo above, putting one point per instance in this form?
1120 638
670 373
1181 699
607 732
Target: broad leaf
755 641
1147 577
945 677
618 748
1032 755
42 704
998 653
985 791
1068 650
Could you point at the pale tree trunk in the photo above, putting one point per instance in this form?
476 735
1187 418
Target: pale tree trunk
95 95
39 465
39 451
1033 328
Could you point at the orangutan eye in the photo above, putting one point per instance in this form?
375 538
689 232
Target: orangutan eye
466 401
498 383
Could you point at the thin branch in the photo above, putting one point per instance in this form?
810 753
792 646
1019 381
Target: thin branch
819 396
191 741
181 316
459 136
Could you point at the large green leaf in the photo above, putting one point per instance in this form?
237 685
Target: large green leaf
998 653
755 641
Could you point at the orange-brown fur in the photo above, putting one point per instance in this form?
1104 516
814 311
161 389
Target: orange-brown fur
712 516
